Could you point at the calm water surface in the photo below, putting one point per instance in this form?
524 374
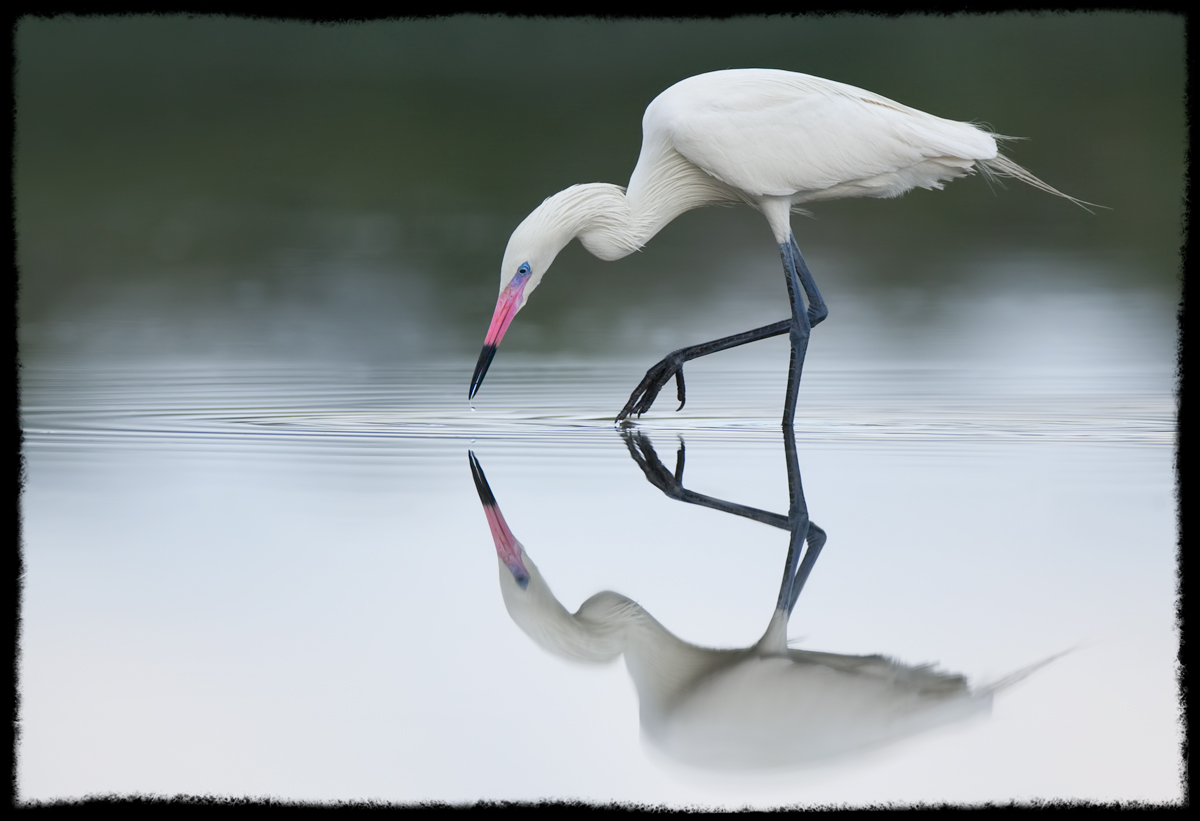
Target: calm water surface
277 579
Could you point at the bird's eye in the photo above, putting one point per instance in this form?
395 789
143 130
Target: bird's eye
524 269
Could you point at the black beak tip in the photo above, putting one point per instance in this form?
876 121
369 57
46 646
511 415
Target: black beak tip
481 369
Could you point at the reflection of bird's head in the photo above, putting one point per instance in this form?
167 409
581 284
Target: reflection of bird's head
508 550
596 633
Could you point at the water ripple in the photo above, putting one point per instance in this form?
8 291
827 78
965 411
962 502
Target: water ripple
549 403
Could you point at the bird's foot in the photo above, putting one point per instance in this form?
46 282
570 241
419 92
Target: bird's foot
655 380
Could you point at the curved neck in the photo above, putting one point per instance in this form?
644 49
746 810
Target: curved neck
597 213
612 223
665 184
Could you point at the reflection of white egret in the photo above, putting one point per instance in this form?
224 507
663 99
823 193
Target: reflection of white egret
760 706
771 139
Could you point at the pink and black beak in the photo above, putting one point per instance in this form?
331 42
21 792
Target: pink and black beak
508 549
510 301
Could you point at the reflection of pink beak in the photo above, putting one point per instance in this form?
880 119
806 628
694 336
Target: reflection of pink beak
506 308
507 546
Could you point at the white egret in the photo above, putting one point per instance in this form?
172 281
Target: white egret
768 138
766 705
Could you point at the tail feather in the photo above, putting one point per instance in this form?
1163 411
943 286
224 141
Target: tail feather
1002 166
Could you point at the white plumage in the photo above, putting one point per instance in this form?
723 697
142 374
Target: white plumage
771 139
770 133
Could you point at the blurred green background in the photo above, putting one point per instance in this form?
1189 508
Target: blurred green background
235 187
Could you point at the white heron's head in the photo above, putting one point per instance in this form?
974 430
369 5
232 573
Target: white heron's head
594 212
531 249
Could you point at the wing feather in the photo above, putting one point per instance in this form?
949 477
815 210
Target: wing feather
776 133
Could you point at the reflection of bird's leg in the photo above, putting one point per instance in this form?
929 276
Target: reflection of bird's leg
656 472
658 475
803 530
680 455
799 277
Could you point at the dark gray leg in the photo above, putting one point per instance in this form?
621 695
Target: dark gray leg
803 318
816 306
657 377
799 279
